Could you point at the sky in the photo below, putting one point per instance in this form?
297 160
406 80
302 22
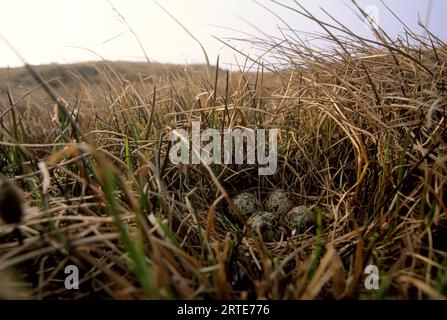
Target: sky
67 31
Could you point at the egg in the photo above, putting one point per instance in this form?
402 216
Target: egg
279 202
300 218
265 224
247 203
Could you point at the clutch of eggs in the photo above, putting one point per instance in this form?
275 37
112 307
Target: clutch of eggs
279 208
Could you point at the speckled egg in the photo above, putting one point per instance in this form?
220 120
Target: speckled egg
279 202
299 218
265 224
247 203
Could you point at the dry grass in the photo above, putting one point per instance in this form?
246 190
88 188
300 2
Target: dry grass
362 133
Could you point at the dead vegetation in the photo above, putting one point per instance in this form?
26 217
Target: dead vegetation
362 133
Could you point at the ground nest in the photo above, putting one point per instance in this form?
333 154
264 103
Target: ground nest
360 181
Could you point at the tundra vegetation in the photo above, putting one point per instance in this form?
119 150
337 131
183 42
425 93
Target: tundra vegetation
361 135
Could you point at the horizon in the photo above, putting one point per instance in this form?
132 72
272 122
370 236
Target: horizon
89 31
